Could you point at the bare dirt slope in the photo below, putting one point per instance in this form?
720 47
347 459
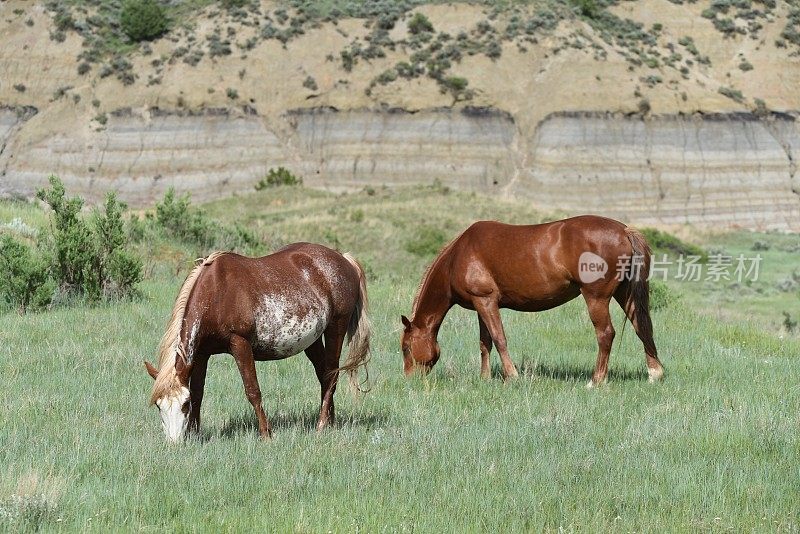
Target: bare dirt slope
178 115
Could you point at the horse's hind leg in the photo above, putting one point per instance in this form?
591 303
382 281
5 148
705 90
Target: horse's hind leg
326 368
489 313
486 349
317 354
655 371
604 329
243 354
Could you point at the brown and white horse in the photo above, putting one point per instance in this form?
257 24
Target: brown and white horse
533 268
265 308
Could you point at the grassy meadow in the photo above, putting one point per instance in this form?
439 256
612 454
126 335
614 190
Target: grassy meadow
714 447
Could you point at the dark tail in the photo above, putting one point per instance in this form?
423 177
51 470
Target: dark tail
359 331
639 292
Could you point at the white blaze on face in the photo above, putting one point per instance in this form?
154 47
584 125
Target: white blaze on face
173 420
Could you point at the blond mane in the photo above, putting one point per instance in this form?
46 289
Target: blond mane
170 346
423 282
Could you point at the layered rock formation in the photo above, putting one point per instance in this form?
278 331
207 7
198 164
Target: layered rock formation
471 149
141 155
712 170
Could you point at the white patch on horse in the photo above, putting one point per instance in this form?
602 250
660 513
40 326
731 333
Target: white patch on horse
654 374
192 340
281 330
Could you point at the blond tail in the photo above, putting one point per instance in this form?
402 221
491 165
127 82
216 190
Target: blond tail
358 331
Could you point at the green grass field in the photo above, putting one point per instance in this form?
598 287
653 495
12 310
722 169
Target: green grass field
714 447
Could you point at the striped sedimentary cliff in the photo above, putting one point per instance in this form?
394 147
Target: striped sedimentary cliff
713 170
472 149
11 120
710 170
141 155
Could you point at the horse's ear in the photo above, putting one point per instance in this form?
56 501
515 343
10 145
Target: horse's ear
152 371
406 322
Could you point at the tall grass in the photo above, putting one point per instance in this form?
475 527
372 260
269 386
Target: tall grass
714 447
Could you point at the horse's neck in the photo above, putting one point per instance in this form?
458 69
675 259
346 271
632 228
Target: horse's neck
434 299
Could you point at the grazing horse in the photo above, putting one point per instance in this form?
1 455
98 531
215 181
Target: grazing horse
533 268
265 308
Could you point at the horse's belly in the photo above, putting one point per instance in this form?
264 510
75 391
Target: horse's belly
540 301
285 328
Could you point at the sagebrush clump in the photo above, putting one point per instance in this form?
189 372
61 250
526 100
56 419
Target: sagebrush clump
664 242
427 242
277 177
89 258
143 19
75 259
176 218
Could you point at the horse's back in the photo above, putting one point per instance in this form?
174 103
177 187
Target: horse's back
532 267
281 302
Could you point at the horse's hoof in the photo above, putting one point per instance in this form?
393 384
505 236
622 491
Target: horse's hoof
592 384
511 377
655 375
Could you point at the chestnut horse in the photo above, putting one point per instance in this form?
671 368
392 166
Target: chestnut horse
533 268
265 308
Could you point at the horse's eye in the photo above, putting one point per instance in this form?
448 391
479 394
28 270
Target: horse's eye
185 407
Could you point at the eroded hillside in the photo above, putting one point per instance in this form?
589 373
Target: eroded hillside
653 110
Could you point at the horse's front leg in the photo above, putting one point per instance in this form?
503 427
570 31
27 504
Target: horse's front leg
197 383
243 354
489 312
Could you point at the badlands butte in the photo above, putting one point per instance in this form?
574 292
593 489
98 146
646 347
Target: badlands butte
652 111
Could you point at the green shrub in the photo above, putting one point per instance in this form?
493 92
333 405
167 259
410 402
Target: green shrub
89 261
664 242
178 219
143 19
357 216
175 215
277 177
310 83
120 269
427 242
789 323
587 8
71 241
26 284
419 23
761 108
733 94
456 86
661 296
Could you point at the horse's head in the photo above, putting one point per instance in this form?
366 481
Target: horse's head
171 396
420 348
